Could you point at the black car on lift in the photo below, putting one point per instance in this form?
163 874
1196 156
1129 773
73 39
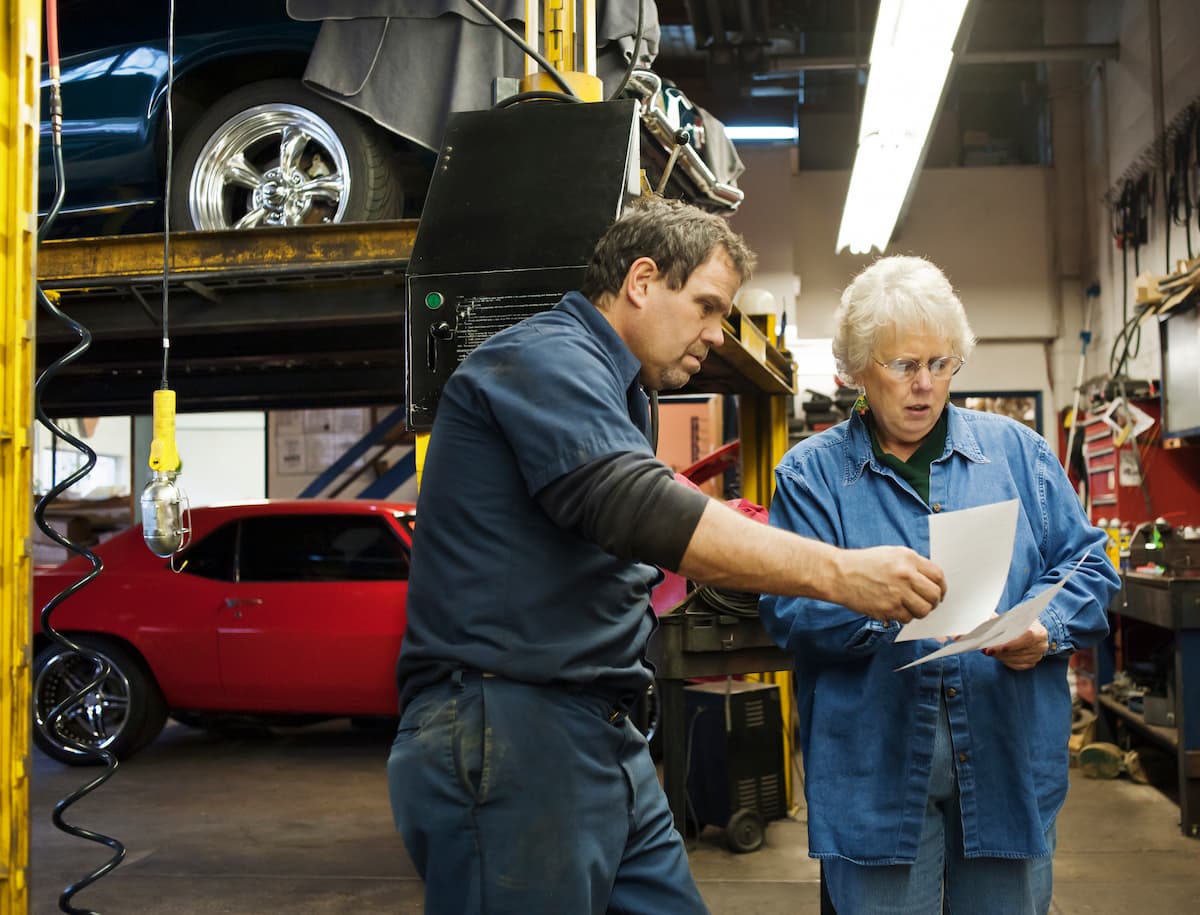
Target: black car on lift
252 145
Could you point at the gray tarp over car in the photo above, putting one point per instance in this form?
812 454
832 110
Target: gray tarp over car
407 64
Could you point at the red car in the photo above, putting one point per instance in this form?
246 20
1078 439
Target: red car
293 610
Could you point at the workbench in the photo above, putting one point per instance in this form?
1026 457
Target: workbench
1171 603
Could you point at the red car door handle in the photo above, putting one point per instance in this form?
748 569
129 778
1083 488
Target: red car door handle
232 602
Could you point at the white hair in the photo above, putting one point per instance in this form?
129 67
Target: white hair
896 294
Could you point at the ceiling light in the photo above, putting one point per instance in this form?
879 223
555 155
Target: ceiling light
910 60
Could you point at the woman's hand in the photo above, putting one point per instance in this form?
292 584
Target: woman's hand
1023 652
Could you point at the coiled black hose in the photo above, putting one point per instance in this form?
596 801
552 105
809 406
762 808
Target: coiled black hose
39 514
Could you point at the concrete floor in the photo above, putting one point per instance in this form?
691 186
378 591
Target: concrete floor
298 821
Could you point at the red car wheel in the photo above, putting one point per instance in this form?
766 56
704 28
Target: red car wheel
121 714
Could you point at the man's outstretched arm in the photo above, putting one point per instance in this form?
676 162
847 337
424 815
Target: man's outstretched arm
729 550
631 505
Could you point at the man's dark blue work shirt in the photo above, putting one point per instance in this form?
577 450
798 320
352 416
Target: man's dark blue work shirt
496 586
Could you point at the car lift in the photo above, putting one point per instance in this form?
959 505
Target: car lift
298 284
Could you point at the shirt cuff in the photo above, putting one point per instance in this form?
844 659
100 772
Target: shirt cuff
1057 640
871 635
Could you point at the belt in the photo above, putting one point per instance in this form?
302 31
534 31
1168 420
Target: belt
619 707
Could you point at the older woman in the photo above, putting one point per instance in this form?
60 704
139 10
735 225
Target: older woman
938 785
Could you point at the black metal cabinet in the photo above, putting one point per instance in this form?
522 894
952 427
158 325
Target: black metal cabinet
1171 603
686 647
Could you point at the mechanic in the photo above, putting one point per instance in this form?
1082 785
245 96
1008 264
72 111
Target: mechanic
517 781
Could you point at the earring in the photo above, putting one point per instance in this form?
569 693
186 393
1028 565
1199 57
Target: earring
861 406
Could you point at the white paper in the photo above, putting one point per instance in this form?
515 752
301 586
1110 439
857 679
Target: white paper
999 630
974 548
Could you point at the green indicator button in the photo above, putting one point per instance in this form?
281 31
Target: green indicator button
434 300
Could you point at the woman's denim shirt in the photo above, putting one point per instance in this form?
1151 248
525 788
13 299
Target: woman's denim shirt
867 730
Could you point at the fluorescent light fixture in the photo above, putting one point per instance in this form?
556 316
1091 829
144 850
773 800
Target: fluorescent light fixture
760 132
910 59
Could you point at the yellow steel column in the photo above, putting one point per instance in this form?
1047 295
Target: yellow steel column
20 41
559 27
762 427
421 446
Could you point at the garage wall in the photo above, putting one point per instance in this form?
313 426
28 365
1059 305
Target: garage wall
303 444
1119 126
988 228
222 454
1022 245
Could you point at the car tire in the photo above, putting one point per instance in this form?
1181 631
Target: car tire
131 706
230 171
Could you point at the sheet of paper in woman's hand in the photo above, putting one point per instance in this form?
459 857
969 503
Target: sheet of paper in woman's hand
974 547
1000 630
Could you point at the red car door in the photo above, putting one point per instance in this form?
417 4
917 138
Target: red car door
316 619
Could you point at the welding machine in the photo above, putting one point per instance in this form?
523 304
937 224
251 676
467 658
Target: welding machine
517 202
735 774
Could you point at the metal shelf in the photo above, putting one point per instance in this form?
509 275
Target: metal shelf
304 316
1168 737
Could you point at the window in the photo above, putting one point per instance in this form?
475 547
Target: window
212 557
1023 406
321 548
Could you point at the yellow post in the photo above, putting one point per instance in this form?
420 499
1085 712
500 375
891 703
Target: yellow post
762 427
20 41
422 446
560 34
763 422
560 27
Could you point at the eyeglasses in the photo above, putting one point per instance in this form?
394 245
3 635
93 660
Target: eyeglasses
940 368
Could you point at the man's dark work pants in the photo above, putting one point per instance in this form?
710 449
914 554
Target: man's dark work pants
531 800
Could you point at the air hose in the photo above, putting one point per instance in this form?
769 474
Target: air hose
57 722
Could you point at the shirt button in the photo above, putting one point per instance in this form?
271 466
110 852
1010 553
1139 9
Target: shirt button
962 757
952 692
937 506
1054 646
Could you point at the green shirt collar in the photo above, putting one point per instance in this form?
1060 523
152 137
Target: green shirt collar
916 469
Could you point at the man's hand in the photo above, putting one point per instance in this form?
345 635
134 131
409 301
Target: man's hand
1023 652
888 583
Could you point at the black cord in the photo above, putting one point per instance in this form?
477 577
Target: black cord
170 114
1179 193
536 95
1129 337
731 603
524 46
1195 202
637 49
1141 219
103 669
1181 204
690 812
1167 217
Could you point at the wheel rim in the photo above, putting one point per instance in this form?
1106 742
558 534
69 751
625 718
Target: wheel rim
97 719
746 832
271 165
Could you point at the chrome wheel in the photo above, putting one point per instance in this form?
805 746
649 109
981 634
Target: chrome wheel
120 715
270 165
98 719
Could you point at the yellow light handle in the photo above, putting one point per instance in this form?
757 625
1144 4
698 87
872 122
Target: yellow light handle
163 454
